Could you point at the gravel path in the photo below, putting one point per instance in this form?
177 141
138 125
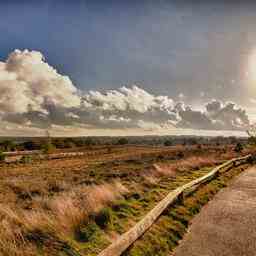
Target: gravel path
227 225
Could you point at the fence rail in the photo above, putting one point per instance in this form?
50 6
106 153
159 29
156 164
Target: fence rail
128 238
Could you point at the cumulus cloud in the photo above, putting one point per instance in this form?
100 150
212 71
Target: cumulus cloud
34 94
194 119
127 105
28 83
217 116
227 116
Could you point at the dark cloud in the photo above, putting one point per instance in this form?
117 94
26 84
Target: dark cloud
194 119
228 116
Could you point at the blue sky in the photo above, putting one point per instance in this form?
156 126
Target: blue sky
193 51
166 46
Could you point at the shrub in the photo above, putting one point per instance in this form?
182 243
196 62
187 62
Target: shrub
89 142
31 145
252 159
122 141
168 143
8 145
26 159
2 156
180 155
199 146
252 136
86 233
104 218
47 148
238 147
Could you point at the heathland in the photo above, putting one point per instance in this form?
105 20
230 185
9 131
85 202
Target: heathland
75 200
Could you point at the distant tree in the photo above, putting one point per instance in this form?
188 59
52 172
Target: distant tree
8 145
238 147
252 136
168 143
79 142
26 159
192 141
48 135
58 143
31 145
89 142
2 156
233 140
122 141
69 143
47 147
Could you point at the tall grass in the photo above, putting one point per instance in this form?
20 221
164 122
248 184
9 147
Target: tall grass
55 219
193 162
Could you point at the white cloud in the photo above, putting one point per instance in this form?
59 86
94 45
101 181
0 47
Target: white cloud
35 96
28 83
230 115
128 99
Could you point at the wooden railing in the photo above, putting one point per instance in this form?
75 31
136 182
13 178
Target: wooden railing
128 238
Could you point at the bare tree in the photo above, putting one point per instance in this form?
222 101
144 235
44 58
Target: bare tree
47 147
48 135
252 135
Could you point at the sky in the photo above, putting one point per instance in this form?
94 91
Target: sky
127 66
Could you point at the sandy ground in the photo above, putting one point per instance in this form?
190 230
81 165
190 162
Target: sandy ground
227 225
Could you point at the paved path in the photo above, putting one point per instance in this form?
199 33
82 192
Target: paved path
227 225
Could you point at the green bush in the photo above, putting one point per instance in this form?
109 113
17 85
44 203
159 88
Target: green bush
47 148
2 156
252 159
104 218
238 147
7 145
26 159
87 233
168 143
122 141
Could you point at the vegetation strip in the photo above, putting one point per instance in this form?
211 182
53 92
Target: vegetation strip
165 234
128 238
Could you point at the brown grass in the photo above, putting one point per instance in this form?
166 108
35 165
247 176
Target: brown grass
194 162
44 202
59 217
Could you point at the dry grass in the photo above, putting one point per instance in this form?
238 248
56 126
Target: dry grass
56 219
73 209
194 162
45 202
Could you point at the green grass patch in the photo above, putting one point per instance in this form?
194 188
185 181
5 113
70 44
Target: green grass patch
165 234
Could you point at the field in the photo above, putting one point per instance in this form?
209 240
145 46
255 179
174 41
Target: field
68 204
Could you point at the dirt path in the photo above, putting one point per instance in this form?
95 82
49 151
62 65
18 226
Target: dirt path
227 225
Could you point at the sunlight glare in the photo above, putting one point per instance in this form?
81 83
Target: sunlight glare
252 66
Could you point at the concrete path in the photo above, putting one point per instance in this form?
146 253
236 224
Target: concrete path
227 225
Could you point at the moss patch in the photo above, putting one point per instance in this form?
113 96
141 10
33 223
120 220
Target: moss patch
164 235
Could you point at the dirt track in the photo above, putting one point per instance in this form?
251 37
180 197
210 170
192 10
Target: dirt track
227 225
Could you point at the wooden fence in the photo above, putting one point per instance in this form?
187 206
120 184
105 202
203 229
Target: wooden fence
128 238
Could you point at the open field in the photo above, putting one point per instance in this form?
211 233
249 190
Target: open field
121 122
78 204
